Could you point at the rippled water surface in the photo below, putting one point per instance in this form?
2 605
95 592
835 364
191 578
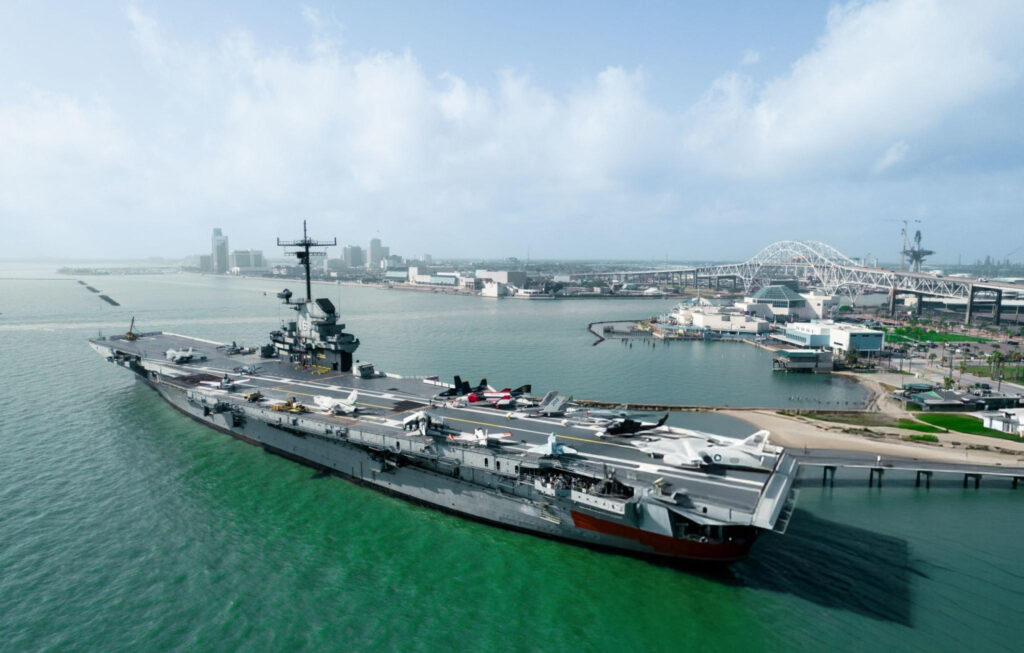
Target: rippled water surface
124 525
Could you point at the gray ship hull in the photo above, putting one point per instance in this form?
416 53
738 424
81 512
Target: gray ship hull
375 452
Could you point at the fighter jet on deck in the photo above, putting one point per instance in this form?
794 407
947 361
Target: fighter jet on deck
337 406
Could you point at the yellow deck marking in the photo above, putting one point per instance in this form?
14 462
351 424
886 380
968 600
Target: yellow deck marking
278 388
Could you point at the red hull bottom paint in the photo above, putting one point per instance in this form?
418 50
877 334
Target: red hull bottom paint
663 544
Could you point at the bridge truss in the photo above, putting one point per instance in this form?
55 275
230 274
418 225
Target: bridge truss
821 265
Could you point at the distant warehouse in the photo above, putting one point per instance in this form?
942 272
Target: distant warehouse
839 337
515 278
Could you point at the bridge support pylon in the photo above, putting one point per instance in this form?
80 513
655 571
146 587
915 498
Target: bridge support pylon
970 306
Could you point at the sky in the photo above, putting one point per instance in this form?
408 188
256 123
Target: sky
589 130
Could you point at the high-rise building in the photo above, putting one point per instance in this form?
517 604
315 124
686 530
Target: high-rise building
355 257
219 258
375 254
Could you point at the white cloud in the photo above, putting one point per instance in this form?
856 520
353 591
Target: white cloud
256 134
893 155
879 72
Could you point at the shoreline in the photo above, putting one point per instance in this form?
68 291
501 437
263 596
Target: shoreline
797 432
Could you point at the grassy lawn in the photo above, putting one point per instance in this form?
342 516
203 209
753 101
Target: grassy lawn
870 419
1010 372
901 334
963 424
917 426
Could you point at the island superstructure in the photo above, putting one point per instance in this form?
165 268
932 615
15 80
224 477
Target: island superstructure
543 466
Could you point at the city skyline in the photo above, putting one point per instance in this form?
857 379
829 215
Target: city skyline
582 131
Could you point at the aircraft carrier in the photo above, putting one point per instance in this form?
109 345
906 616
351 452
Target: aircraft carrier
539 465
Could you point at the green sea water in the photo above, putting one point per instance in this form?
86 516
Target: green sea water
126 526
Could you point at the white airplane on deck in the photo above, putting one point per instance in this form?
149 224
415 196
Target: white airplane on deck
336 406
697 451
184 355
227 383
479 437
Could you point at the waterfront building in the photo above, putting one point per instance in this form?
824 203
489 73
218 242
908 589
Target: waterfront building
782 301
494 289
724 322
840 337
807 334
803 360
844 338
205 263
508 277
247 259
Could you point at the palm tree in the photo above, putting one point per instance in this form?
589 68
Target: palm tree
995 362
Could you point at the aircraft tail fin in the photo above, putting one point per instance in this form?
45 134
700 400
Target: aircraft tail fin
661 422
756 440
523 389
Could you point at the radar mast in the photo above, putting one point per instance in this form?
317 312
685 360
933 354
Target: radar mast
303 253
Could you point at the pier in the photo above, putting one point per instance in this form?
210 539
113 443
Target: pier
863 468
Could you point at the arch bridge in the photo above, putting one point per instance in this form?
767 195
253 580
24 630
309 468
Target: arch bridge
824 266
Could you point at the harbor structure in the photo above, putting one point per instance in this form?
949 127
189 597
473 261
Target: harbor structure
803 360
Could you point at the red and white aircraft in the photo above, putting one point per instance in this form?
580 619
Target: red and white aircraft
507 398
